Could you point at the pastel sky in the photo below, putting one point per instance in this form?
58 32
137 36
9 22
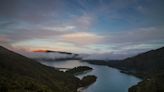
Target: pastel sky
82 26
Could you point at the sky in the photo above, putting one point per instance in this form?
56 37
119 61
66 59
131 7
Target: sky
122 27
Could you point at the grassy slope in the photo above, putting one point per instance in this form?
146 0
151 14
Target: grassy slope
19 74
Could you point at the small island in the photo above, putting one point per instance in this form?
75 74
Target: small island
87 80
79 70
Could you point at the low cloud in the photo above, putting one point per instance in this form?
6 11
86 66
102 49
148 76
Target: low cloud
60 28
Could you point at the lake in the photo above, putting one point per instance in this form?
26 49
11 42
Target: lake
108 79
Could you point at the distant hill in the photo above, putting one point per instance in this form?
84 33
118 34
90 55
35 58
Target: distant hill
21 74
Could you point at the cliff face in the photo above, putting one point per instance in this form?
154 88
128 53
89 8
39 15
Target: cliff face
21 74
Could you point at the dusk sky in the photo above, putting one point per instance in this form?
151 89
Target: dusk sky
82 26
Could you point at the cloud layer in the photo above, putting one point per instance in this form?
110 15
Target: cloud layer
110 27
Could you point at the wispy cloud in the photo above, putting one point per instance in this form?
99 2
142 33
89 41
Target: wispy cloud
142 35
61 28
84 22
82 38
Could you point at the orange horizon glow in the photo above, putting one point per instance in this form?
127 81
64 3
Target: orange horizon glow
39 50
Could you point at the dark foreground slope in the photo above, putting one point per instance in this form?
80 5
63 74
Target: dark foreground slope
21 74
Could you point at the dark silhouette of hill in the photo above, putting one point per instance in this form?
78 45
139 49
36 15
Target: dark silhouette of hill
21 74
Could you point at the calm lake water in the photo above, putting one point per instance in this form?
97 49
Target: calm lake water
108 79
